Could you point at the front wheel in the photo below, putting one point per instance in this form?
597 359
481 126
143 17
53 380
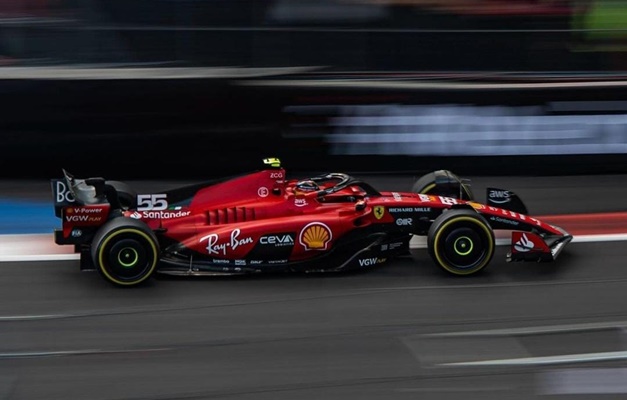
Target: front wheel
125 251
461 242
443 183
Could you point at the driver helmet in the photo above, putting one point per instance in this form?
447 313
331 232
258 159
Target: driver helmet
307 185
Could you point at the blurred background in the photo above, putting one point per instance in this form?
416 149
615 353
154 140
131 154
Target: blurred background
181 90
197 88
343 35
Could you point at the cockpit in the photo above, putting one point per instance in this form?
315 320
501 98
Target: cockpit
332 188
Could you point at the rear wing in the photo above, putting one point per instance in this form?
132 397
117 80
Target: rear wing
69 191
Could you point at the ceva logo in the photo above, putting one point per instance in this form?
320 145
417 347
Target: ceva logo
277 240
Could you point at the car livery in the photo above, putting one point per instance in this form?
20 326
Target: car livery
262 221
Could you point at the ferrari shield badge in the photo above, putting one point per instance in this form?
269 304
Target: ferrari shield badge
379 211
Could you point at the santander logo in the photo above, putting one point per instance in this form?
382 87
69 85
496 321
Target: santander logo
523 244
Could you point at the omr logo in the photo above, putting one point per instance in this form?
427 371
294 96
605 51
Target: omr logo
404 221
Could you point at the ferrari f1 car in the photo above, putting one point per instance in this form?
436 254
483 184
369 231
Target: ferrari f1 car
262 221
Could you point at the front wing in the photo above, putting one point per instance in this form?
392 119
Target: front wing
529 246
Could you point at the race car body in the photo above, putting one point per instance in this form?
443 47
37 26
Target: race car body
263 222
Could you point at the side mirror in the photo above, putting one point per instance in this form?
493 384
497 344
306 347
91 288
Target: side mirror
360 205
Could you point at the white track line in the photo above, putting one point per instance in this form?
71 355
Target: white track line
614 237
34 247
537 330
39 257
549 360
434 85
65 353
13 318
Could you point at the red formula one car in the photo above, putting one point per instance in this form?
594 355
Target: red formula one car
262 221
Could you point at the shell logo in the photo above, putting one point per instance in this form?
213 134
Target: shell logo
315 236
476 206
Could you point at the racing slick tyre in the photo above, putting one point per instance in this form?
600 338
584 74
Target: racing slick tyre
443 183
461 242
126 194
125 251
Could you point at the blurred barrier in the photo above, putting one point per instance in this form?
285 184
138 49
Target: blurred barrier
554 130
563 128
193 128
369 107
521 35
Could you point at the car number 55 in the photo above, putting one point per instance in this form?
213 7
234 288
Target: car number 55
155 202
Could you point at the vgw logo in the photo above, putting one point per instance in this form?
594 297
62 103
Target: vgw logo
366 262
77 218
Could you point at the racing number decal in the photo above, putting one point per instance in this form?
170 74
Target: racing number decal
155 202
448 200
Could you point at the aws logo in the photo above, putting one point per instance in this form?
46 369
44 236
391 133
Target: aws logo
378 211
500 196
315 236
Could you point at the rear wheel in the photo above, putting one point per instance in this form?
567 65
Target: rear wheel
461 242
125 252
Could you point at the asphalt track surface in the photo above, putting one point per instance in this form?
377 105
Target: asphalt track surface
400 331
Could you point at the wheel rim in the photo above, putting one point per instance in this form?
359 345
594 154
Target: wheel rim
127 257
463 248
463 245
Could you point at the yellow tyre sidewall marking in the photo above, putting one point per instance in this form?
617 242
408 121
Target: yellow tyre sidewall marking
432 185
427 188
444 264
117 233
